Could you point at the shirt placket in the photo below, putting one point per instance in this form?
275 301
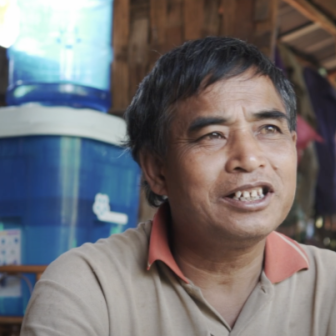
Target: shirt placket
215 324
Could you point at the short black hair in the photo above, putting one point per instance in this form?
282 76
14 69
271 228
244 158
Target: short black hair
180 74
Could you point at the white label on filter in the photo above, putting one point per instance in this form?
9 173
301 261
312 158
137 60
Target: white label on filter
101 207
10 247
10 254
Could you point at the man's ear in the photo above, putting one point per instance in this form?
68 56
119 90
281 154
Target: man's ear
152 168
294 137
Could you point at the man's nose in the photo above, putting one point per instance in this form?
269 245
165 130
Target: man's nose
244 153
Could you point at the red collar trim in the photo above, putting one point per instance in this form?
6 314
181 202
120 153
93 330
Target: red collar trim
283 256
158 247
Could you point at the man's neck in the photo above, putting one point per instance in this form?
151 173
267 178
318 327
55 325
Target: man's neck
224 266
226 275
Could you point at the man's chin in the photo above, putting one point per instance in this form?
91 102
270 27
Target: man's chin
251 230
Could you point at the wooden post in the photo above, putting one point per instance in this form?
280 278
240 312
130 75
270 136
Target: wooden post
251 20
211 18
228 11
193 19
138 44
120 74
174 28
158 24
265 18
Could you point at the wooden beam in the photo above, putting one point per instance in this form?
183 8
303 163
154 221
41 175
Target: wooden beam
10 320
299 32
14 269
328 6
304 58
320 45
329 63
314 14
17 269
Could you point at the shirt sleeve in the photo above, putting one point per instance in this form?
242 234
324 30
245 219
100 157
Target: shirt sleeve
67 301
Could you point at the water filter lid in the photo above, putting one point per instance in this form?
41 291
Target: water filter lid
34 119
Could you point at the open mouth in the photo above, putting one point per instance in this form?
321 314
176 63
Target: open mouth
251 194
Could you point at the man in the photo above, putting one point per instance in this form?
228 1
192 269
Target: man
213 129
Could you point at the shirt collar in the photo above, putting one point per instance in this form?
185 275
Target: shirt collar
283 256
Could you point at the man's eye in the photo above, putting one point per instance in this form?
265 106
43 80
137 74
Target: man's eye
270 129
214 136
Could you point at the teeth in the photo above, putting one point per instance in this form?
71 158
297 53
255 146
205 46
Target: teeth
249 196
238 194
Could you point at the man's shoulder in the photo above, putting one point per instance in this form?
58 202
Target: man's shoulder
129 248
77 290
322 262
318 255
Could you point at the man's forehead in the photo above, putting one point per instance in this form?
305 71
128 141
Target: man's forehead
239 86
255 93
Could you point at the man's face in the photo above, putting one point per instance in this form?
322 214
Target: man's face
231 162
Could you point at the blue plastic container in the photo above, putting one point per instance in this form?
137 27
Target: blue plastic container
60 191
63 54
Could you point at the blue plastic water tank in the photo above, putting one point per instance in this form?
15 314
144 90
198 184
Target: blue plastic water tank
63 54
65 181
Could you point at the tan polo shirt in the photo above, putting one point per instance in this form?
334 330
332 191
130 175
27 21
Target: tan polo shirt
130 285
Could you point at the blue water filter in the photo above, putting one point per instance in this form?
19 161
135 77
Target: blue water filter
63 54
65 180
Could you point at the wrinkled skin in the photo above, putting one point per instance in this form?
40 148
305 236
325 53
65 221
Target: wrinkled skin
207 161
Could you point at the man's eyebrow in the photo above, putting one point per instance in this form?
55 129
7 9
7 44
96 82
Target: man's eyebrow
271 114
201 122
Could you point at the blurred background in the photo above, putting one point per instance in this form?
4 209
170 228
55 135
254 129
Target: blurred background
68 71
